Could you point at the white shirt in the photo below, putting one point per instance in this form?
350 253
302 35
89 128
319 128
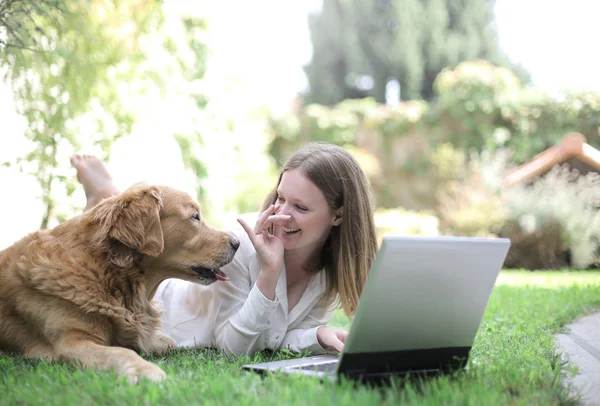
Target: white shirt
236 317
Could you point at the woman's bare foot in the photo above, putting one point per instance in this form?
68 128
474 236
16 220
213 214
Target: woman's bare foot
94 176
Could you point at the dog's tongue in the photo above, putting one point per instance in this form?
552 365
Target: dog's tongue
221 275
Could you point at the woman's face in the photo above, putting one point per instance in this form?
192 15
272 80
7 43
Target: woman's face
311 216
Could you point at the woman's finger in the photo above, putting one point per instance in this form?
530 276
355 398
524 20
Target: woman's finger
342 335
338 345
261 222
265 233
248 230
279 219
275 220
277 231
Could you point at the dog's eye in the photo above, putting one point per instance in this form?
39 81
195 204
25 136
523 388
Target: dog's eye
196 216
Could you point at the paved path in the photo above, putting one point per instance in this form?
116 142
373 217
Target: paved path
581 346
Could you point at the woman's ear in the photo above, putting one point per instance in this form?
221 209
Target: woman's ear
337 220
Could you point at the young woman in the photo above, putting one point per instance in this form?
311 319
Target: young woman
306 253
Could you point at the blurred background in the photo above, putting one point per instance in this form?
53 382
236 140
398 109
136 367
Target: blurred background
458 110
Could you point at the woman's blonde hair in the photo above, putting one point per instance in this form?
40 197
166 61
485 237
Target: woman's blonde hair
350 248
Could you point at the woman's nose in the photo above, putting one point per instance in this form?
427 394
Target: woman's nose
285 209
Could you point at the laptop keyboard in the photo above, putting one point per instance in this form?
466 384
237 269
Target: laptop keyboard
321 367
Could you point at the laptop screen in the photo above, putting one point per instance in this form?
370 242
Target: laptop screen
426 293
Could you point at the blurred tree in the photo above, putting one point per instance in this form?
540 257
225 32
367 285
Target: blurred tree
359 46
193 71
329 69
13 32
65 62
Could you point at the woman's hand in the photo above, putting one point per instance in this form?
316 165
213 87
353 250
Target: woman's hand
331 338
268 246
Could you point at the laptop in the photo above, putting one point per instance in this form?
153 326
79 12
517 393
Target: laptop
419 311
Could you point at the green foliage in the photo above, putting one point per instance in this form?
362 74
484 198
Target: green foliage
483 106
471 96
79 86
191 153
71 80
376 134
329 69
347 123
405 222
356 42
18 29
480 107
448 162
470 197
193 71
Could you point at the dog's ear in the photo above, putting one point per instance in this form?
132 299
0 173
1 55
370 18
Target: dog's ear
133 218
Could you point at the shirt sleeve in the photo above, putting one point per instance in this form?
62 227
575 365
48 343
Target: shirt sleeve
304 336
243 313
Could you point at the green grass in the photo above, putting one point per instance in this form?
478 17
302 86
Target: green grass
512 362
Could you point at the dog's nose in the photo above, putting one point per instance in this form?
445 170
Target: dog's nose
234 243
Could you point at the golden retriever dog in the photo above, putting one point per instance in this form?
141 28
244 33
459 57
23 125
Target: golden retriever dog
82 292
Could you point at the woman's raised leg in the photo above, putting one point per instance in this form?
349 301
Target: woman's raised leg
95 178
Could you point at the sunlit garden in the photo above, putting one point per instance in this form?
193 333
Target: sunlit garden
453 143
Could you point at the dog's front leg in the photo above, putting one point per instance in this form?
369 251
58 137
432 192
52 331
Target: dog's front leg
80 349
161 344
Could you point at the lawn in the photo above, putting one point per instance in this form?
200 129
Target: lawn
512 362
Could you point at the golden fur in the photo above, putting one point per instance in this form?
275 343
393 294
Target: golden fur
82 291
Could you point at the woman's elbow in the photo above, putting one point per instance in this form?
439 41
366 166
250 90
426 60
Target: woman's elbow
236 350
231 350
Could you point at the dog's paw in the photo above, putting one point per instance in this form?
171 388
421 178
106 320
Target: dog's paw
136 373
163 344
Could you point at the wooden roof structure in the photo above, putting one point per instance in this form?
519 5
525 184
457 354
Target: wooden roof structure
572 150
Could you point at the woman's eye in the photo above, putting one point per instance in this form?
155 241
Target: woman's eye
280 199
196 216
301 208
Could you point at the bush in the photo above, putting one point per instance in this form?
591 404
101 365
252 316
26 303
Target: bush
405 222
551 223
566 198
539 247
479 107
471 203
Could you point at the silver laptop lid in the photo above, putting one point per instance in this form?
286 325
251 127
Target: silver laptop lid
426 292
